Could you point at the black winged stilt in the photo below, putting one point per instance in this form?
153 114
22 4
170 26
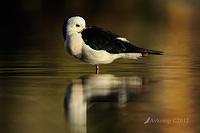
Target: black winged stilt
96 46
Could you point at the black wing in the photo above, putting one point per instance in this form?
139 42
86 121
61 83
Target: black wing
100 39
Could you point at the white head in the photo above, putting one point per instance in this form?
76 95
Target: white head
74 25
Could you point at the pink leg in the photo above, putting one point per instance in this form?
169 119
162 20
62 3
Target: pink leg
97 69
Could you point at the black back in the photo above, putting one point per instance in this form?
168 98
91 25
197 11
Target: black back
100 39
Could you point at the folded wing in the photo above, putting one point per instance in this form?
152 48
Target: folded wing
100 39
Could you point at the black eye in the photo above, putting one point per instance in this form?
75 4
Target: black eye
77 25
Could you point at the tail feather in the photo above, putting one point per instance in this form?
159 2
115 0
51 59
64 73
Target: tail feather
145 52
155 52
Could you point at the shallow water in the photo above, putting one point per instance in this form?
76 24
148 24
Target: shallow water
43 93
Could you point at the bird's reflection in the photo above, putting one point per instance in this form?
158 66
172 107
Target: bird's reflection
88 90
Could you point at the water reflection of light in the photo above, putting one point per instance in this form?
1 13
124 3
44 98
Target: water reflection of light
176 99
84 92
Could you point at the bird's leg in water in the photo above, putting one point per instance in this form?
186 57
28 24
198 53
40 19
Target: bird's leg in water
97 69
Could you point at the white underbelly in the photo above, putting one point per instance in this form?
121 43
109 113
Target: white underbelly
96 56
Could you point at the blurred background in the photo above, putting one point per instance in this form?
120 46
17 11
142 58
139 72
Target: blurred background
35 69
40 21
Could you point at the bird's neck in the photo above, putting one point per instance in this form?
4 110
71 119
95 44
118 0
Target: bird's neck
70 31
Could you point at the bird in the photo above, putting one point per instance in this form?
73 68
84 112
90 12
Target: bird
96 45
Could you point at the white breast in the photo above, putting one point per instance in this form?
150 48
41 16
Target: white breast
74 44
